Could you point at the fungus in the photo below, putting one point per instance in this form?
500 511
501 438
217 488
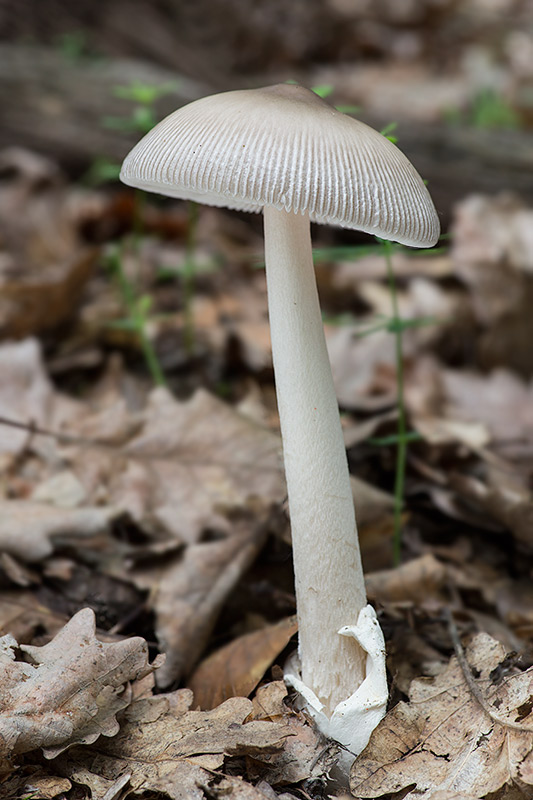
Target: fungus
284 151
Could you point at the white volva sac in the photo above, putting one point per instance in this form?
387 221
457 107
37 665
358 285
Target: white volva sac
353 719
284 151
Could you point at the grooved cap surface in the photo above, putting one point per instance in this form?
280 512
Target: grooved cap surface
284 146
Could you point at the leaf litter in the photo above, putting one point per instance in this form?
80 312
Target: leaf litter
164 509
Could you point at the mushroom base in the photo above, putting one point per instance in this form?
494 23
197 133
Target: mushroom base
353 719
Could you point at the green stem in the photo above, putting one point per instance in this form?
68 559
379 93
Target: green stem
150 356
139 321
401 450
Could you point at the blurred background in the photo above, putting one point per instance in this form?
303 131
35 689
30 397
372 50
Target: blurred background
455 75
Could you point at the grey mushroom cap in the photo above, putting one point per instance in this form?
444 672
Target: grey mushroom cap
284 146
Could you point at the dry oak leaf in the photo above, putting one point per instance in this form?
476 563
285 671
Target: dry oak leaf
70 690
201 457
164 747
443 739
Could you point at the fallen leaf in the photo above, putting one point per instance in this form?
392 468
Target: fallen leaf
203 457
44 265
236 669
27 396
443 739
164 747
27 783
69 691
27 529
188 594
504 498
413 582
357 363
304 754
507 407
22 615
492 253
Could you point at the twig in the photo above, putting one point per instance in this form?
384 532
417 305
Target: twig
98 444
32 429
471 681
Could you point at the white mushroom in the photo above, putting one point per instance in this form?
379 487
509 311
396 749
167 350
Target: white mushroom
284 151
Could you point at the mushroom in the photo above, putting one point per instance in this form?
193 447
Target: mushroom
286 152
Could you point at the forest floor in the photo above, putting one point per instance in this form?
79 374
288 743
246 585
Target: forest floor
146 583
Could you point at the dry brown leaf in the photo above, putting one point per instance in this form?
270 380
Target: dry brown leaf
27 529
363 368
27 396
33 782
505 500
414 582
203 458
69 691
348 275
21 614
493 255
236 669
444 740
188 594
44 266
163 747
304 754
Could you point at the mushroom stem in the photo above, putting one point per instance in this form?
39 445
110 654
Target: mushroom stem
330 590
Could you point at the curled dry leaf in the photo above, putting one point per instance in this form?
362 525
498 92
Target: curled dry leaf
413 582
188 596
23 615
236 669
34 782
443 739
363 368
69 691
504 499
27 529
169 749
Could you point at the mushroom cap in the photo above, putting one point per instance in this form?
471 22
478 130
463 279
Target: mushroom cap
285 147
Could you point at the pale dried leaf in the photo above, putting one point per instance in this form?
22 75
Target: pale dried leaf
204 458
28 397
504 499
70 690
27 783
507 407
444 740
413 582
160 742
25 392
304 754
188 594
363 367
44 265
27 529
23 615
